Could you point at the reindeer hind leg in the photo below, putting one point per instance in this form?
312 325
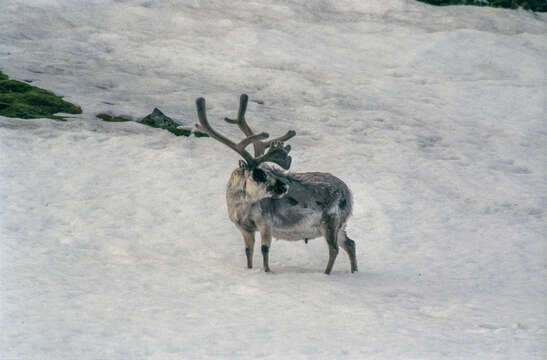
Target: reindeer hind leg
349 246
331 235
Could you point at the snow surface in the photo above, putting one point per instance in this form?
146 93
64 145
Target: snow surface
115 243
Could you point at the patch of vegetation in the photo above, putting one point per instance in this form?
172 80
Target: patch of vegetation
533 5
153 122
109 118
178 132
146 121
24 101
200 134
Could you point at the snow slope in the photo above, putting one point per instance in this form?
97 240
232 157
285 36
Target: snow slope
115 242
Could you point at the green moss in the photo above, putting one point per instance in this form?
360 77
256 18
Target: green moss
178 132
21 100
171 129
153 122
534 5
109 118
149 122
14 86
200 134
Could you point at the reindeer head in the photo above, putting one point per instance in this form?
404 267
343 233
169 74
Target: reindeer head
264 182
260 180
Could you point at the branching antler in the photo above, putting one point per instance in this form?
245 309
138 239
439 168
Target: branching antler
259 146
276 153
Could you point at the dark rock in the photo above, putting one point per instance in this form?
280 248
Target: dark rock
159 120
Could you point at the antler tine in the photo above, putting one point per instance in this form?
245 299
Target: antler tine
240 121
252 139
283 138
259 146
240 147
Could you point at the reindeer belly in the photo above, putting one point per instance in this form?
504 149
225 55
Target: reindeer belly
299 225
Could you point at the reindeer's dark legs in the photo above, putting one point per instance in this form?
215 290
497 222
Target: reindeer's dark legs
349 246
266 256
249 254
249 238
266 239
331 235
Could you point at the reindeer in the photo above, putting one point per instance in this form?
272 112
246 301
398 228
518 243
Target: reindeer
290 206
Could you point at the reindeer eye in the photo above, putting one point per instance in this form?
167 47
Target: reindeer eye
259 175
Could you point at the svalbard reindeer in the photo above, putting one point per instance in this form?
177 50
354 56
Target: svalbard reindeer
289 206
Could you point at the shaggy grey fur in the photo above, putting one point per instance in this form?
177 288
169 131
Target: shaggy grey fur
314 204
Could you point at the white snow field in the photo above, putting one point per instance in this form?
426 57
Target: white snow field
115 242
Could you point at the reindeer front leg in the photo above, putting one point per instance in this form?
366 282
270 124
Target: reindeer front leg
249 238
266 240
